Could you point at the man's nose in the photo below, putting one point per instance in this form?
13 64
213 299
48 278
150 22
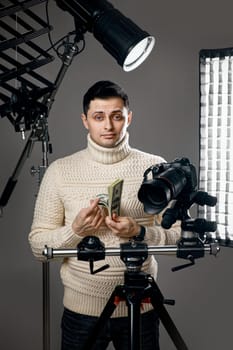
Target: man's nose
108 123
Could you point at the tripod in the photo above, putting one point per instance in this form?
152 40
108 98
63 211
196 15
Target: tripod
138 288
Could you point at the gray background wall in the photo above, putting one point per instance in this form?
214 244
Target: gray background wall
165 99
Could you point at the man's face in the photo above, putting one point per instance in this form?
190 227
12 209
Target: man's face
107 121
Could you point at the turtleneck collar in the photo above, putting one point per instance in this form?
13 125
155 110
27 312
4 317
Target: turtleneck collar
108 155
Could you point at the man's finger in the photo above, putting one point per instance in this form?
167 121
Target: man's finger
94 203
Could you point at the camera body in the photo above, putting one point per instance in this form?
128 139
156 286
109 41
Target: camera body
169 181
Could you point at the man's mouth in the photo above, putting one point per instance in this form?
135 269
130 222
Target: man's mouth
108 135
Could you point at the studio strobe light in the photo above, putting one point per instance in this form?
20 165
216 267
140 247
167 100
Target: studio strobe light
119 35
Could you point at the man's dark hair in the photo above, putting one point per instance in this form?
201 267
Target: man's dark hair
104 89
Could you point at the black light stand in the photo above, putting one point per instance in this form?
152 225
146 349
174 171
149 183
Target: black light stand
28 108
67 60
40 133
138 286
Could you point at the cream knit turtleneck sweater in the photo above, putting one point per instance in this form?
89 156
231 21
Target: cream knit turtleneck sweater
68 185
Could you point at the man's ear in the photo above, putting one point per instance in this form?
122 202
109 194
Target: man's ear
84 120
130 116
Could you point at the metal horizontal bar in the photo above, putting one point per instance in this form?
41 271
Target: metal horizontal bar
35 75
4 98
25 38
19 6
31 15
22 80
22 69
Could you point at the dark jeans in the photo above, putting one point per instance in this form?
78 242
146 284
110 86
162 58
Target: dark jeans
76 329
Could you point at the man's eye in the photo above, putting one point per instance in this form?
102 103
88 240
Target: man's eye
117 117
99 117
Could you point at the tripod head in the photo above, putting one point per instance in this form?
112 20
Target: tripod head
133 254
91 249
194 232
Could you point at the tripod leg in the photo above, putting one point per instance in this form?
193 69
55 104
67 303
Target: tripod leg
134 324
157 301
105 315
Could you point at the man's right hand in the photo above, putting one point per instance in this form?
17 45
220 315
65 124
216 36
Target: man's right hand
89 219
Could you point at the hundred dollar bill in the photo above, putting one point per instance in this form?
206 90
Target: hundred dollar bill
114 197
112 200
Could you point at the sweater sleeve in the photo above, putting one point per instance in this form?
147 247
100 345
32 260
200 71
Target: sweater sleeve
48 226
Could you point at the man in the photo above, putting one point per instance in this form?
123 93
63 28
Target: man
67 210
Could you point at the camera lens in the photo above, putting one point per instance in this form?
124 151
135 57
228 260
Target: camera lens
155 194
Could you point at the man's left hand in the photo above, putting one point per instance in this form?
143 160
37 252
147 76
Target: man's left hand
122 226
